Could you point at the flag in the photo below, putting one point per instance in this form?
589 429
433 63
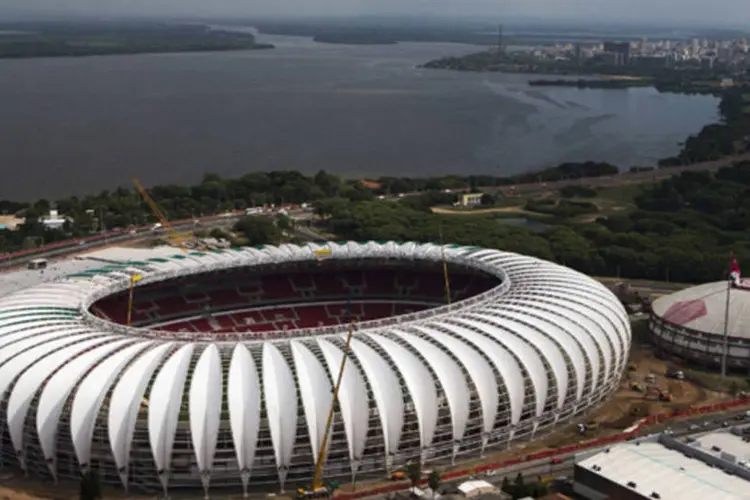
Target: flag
734 269
136 277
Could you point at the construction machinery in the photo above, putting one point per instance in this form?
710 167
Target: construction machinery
133 280
160 216
318 489
322 492
445 267
636 386
659 394
665 396
675 373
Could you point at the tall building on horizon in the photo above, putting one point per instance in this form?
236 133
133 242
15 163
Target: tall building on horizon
621 51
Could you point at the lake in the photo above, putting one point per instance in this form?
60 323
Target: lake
77 125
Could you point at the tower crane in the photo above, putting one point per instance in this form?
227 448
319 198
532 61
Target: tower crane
173 236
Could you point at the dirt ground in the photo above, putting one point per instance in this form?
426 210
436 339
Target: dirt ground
481 211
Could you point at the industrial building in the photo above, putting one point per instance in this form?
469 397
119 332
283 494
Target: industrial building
713 466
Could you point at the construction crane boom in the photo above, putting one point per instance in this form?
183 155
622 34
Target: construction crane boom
159 214
318 478
446 279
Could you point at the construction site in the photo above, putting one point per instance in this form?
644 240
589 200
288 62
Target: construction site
649 386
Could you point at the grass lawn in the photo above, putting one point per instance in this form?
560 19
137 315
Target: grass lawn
623 195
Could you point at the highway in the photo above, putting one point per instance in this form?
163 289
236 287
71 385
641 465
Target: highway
620 179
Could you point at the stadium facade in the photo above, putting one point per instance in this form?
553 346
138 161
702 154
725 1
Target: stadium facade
692 323
225 377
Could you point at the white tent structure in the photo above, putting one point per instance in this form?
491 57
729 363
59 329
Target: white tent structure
154 409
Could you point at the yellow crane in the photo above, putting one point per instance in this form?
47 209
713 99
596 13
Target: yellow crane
318 489
445 266
133 280
173 236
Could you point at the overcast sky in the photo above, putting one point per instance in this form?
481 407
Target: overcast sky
730 12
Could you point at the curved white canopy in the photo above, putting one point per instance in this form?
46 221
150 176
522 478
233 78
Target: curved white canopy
544 327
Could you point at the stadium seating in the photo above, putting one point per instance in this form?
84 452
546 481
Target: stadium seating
270 302
291 318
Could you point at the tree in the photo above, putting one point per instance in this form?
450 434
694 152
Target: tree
506 486
519 486
734 388
414 472
284 223
433 480
258 230
90 489
487 200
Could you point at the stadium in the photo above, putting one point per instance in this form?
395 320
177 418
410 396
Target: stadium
224 377
691 324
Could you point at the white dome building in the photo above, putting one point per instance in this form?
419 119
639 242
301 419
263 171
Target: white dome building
205 392
691 324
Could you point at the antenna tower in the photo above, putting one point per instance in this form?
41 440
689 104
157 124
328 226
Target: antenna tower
500 41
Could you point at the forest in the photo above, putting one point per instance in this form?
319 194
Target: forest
683 229
61 39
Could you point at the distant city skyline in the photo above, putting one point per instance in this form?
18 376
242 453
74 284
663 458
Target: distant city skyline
732 13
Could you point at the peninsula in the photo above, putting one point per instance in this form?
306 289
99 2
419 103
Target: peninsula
664 64
29 40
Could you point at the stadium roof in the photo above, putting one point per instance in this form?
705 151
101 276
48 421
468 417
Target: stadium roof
654 468
19 280
703 308
546 330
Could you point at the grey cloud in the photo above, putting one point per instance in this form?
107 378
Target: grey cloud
626 10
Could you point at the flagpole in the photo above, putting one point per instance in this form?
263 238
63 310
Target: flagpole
725 350
726 332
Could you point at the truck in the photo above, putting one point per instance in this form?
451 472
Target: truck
675 373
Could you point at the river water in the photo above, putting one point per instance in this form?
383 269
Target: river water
77 125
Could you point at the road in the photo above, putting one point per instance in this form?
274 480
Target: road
620 179
563 464
9 261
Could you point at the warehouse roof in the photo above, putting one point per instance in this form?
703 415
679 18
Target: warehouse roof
725 442
653 468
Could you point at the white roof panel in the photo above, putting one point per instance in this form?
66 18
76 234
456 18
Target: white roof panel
243 387
205 400
164 405
657 469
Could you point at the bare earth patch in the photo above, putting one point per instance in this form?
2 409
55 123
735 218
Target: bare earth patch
485 211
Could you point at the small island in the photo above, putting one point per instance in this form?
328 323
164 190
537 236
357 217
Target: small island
604 83
30 40
354 38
